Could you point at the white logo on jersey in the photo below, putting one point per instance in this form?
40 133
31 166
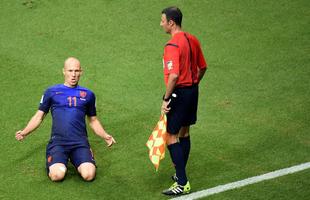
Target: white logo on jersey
42 99
169 65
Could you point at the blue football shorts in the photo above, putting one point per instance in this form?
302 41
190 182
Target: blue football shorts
77 154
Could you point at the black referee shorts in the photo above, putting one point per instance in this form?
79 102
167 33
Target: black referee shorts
184 102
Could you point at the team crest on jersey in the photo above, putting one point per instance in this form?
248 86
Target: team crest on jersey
83 94
169 64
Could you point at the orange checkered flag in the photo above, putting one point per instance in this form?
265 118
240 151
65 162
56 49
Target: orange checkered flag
157 142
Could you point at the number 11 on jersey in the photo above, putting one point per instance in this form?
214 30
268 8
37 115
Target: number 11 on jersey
72 100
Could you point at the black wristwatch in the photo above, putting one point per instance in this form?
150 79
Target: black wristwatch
167 99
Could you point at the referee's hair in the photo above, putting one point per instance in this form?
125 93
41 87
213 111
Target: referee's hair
173 13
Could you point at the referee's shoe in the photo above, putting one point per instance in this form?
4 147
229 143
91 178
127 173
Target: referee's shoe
177 189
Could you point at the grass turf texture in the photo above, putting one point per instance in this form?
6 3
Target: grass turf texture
254 101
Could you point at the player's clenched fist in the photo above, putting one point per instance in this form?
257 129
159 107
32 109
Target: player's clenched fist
19 136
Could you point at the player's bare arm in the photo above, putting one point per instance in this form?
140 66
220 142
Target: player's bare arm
33 124
99 130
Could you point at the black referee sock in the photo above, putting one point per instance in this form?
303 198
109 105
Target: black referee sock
186 147
177 158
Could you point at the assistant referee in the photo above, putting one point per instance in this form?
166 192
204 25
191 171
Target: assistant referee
184 67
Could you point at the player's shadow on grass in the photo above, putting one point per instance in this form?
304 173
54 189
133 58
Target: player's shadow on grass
72 172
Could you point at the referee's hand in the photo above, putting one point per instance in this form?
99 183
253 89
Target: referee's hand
164 107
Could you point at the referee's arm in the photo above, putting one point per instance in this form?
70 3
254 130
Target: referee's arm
201 73
172 80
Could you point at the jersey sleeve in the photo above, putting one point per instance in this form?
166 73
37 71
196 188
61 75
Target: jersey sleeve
91 107
201 62
171 59
45 102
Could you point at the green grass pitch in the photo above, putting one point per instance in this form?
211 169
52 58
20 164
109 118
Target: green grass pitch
254 107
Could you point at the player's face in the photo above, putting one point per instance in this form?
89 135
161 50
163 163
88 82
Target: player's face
166 25
72 73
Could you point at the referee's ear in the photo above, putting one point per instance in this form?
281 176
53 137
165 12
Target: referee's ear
171 23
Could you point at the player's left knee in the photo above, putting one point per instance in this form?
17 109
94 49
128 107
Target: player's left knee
87 171
88 176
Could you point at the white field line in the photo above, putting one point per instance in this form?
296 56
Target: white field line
248 181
